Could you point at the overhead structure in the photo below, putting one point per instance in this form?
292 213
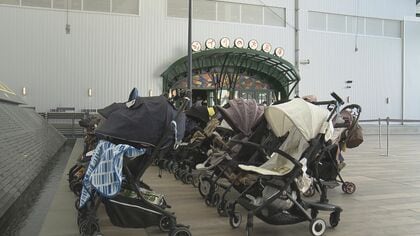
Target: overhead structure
228 68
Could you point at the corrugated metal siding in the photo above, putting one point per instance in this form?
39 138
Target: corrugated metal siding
412 72
376 69
391 9
108 53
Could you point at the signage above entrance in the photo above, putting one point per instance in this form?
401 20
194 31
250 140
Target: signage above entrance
237 43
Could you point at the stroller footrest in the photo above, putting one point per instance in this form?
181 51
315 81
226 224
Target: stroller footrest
323 206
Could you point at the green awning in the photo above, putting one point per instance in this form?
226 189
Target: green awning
275 71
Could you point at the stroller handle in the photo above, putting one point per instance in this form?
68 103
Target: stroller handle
337 98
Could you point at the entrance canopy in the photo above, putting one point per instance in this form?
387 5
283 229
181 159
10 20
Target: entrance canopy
278 73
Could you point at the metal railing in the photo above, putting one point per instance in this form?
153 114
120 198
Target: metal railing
387 120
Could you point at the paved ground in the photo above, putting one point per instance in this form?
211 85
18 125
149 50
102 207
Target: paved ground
386 202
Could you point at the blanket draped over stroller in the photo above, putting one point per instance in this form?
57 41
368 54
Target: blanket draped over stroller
104 173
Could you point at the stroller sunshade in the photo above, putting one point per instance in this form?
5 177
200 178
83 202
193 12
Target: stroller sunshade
304 116
144 122
242 115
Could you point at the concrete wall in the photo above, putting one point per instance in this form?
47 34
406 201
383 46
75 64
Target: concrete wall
27 143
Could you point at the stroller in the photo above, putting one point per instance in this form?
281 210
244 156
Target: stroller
330 163
76 172
273 192
131 138
200 122
242 116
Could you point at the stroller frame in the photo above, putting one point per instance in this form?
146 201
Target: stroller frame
87 219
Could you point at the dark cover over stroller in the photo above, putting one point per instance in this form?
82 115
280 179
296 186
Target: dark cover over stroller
148 125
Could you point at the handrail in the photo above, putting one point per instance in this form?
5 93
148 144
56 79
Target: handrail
391 120
388 120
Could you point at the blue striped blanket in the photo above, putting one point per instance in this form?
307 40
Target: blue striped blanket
104 174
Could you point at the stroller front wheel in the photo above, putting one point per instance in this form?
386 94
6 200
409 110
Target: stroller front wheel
334 219
348 187
204 186
317 227
165 224
181 231
235 220
310 192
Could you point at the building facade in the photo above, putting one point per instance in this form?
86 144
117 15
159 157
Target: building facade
366 51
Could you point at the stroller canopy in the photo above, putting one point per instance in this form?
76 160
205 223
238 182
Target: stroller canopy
200 113
242 115
143 121
304 116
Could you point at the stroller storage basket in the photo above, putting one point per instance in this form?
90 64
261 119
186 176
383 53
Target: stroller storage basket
130 212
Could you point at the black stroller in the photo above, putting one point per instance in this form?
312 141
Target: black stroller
329 163
182 161
146 125
273 192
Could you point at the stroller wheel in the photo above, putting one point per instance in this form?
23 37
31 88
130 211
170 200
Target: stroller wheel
89 228
334 218
317 227
215 199
177 174
195 181
221 209
188 178
77 188
180 231
235 220
207 201
310 192
77 203
183 177
174 167
204 186
165 224
348 187
229 207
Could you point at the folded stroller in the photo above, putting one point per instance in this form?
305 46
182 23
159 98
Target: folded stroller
274 194
131 138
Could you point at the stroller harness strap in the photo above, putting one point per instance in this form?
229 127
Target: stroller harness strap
104 174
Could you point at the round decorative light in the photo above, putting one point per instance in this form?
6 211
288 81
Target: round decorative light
224 42
210 43
196 46
239 43
266 47
279 52
253 44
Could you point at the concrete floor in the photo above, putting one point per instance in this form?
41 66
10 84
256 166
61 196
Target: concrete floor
386 202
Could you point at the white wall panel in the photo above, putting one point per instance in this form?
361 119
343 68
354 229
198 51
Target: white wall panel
108 53
412 72
392 9
375 70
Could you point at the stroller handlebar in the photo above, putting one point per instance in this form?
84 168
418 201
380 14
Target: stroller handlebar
337 98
